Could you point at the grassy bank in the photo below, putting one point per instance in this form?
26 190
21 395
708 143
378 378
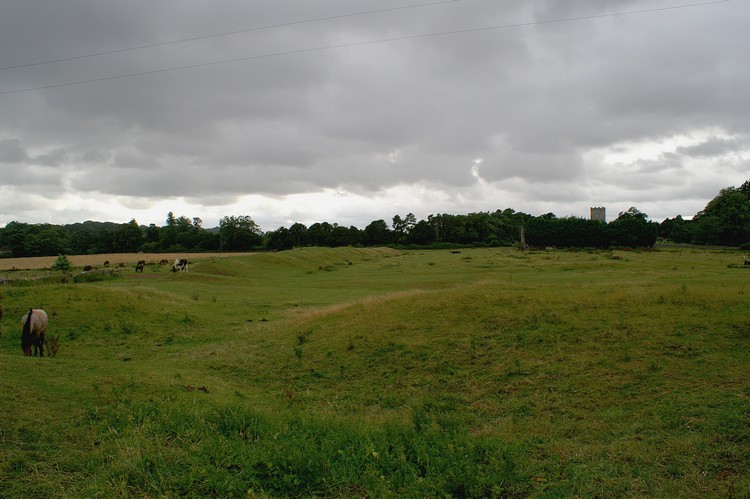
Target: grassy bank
353 372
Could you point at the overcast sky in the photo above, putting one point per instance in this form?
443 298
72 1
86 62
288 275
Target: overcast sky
349 111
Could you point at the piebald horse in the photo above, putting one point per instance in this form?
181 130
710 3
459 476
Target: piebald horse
34 324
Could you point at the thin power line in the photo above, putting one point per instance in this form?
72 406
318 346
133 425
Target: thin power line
227 33
362 43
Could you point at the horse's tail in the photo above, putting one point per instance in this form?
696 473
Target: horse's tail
26 334
27 324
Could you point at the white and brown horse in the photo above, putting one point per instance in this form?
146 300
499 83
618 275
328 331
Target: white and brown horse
34 324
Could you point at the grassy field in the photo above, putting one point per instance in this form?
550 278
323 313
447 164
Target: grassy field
385 373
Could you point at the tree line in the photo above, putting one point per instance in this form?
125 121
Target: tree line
725 221
178 234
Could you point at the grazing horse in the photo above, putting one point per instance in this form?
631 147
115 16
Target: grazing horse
180 264
34 324
139 266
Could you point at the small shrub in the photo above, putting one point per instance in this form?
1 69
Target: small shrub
62 264
53 346
127 329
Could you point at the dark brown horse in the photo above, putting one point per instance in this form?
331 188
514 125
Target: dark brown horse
34 324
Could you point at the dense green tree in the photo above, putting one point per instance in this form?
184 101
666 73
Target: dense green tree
152 233
344 236
376 234
239 233
402 227
84 242
443 226
91 237
632 229
23 240
501 230
569 232
49 240
298 232
295 236
209 241
12 238
319 234
168 233
189 232
279 239
421 234
726 218
471 228
542 232
745 189
128 238
676 230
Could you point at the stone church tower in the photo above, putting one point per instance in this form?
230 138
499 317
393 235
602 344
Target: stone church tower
599 214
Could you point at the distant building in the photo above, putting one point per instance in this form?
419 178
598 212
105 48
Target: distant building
599 214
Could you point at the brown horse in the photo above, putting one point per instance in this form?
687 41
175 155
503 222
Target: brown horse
34 324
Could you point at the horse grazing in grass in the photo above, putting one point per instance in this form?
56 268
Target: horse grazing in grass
181 264
34 324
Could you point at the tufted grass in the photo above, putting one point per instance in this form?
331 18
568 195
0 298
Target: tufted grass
375 372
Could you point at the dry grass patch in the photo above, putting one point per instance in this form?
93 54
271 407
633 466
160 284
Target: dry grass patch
43 262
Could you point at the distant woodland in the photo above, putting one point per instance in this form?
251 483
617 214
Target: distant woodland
725 221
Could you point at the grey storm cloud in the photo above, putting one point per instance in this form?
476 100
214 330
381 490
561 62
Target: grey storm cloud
12 152
714 146
279 98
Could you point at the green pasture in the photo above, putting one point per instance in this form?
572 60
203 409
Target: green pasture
384 373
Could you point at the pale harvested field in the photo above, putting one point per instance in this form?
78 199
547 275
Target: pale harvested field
97 261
